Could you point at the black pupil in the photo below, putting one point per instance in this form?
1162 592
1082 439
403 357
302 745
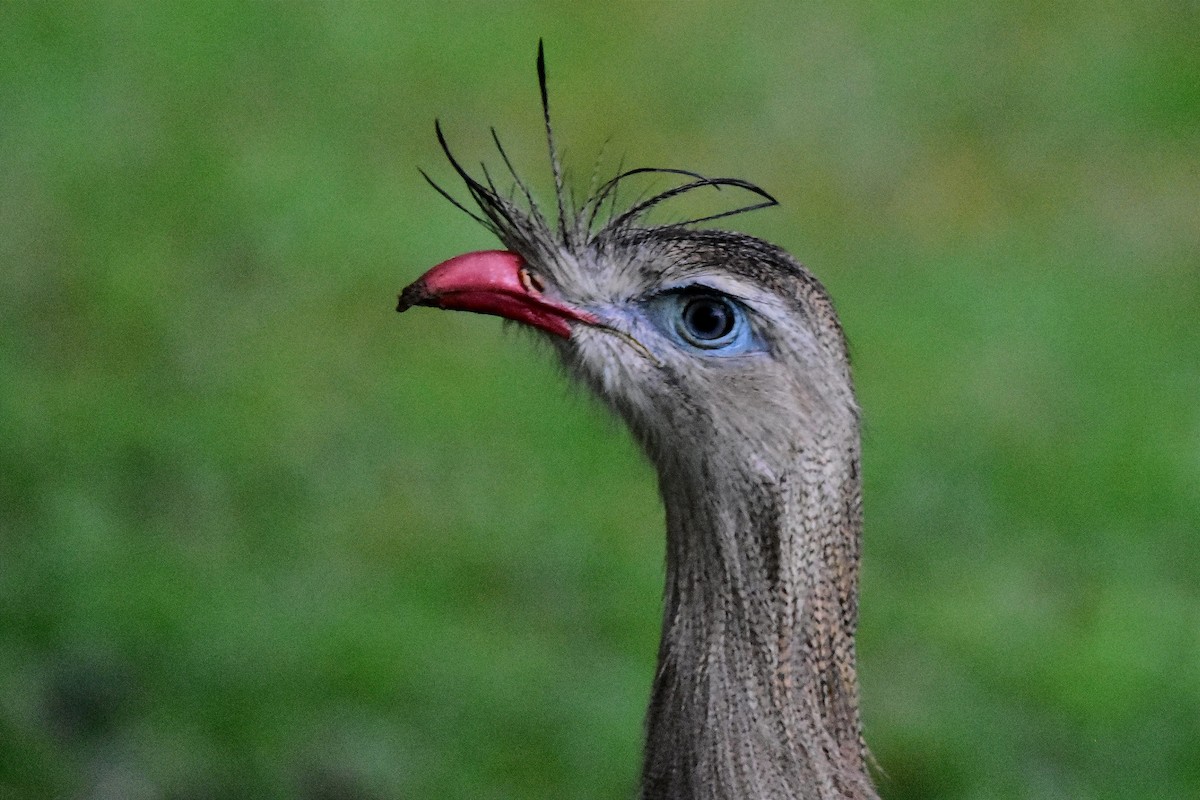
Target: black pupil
707 318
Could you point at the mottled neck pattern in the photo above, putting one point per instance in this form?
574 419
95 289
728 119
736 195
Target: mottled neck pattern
755 694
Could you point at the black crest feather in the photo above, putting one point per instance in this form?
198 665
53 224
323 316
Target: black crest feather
523 228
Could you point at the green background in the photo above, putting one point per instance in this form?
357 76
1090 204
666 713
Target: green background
260 537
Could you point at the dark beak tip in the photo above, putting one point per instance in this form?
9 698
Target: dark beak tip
414 295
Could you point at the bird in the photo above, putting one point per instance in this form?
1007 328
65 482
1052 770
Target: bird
725 358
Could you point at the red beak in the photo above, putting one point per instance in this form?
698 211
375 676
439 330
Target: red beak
492 282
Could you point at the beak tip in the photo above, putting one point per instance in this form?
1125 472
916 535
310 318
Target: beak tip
413 295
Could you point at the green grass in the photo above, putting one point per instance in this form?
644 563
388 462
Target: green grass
261 538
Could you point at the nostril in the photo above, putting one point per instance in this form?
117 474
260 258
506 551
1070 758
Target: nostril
531 281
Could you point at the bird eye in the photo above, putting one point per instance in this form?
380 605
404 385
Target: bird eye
707 321
698 318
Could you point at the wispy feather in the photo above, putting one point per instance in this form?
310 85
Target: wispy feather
523 228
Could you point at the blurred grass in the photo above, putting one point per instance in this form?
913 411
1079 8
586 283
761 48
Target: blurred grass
259 538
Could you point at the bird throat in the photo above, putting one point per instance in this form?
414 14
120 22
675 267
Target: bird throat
755 695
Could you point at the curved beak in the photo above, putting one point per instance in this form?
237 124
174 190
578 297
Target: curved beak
493 282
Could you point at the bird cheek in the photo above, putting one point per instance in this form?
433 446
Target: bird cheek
606 364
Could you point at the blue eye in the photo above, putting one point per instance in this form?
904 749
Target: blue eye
708 322
704 320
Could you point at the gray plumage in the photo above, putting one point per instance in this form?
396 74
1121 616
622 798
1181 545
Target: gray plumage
757 454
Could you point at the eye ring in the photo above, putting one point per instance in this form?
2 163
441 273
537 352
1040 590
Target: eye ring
701 321
708 321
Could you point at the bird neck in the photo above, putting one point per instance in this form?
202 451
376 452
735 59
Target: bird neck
756 694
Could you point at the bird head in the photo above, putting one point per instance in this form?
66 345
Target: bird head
710 344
